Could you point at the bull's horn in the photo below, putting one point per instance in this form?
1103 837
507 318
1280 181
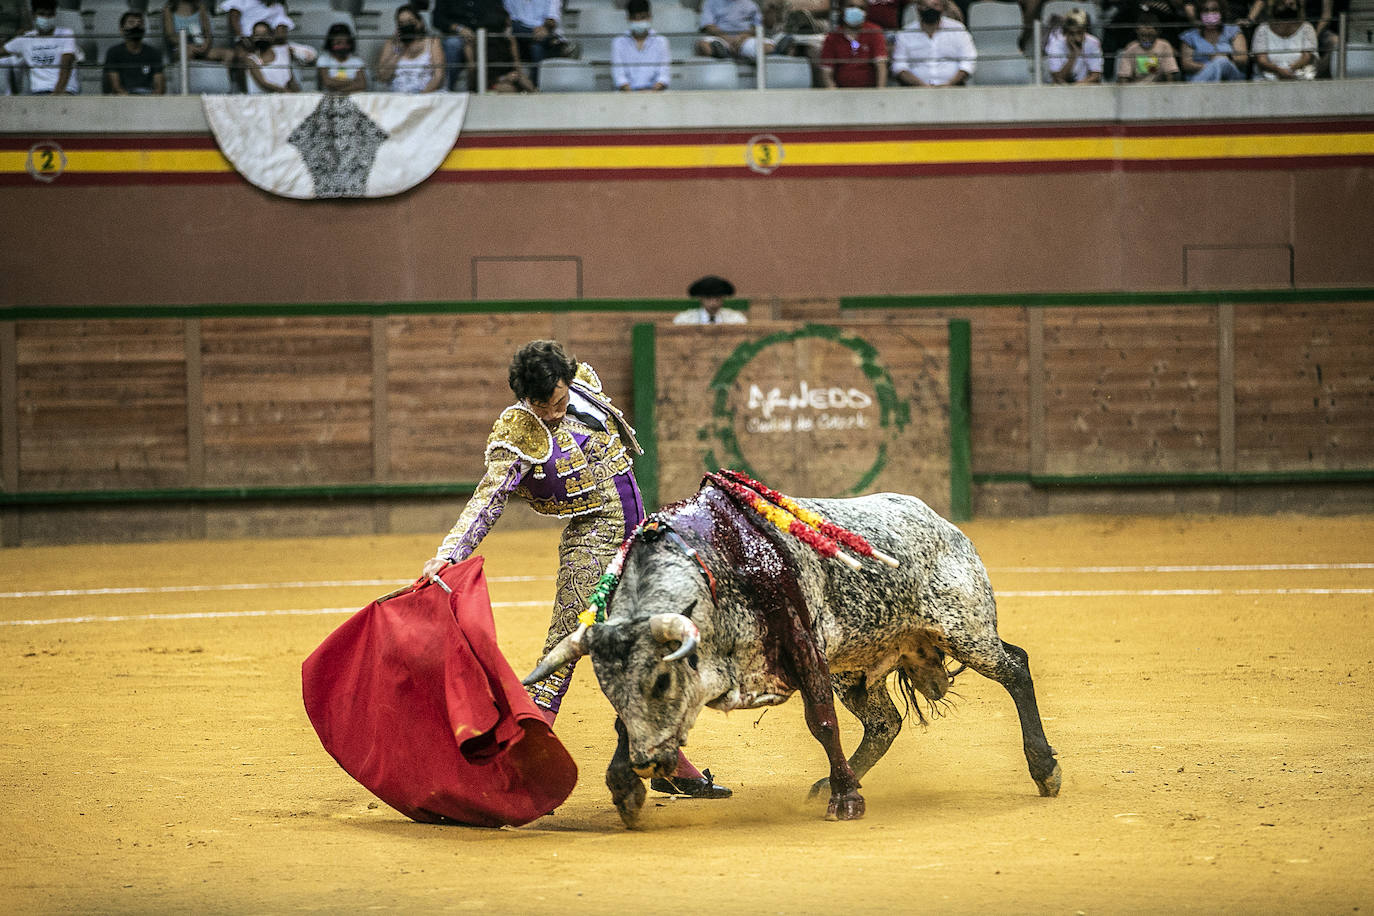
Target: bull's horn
570 649
668 627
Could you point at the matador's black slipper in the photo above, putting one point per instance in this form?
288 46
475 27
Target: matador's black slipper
702 786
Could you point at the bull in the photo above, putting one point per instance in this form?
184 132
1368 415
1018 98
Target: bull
716 607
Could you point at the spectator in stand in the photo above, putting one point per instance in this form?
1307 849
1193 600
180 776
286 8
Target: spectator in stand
711 291
193 18
49 52
505 69
935 50
729 29
854 56
535 25
340 69
640 58
457 22
301 54
412 61
886 14
133 68
1325 14
1285 46
1148 59
244 15
1072 53
269 65
1215 51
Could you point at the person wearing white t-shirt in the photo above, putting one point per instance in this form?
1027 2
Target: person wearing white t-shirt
49 52
340 68
1286 47
935 50
1072 55
244 14
640 58
269 66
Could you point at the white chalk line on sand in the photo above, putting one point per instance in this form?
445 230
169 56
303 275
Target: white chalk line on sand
241 586
397 583
497 605
211 615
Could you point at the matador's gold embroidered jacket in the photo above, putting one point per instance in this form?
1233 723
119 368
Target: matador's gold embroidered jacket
569 470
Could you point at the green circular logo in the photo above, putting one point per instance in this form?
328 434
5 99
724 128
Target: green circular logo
812 405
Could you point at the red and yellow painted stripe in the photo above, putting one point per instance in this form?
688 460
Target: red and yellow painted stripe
792 154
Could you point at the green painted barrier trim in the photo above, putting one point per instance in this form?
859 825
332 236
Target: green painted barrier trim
1161 298
235 494
644 363
960 432
327 309
1181 478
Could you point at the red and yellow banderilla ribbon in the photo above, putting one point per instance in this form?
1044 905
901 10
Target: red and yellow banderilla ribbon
844 536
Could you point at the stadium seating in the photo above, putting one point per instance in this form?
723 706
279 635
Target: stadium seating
1359 61
1012 70
597 27
782 72
206 78
313 24
679 25
995 26
707 73
560 75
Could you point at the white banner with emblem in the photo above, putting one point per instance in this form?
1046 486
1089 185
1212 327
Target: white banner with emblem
313 145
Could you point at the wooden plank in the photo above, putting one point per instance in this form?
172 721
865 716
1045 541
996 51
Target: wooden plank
1035 402
195 405
104 403
288 400
446 385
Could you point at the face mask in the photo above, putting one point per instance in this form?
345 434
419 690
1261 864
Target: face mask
1286 12
44 23
340 51
1212 19
854 17
640 27
262 44
930 16
409 31
134 34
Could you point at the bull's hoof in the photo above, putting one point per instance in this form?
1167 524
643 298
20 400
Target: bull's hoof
1049 786
821 785
846 807
627 792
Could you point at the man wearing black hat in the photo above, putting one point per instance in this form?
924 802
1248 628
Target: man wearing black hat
712 292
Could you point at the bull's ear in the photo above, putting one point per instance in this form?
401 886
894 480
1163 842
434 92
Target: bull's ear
687 611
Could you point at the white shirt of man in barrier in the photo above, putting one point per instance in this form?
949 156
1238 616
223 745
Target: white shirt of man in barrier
46 52
934 50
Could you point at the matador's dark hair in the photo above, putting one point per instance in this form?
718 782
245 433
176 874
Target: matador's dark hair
537 369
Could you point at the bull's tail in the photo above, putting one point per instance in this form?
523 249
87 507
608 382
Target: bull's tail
919 685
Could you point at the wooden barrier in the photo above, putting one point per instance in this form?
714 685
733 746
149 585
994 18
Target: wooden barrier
818 410
142 423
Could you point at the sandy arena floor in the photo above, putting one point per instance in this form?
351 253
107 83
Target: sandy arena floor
1211 702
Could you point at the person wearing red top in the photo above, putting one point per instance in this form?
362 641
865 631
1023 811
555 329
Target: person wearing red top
854 56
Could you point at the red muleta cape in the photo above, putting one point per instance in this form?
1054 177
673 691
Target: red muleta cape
415 701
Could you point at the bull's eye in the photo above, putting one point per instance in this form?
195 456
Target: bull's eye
692 660
661 685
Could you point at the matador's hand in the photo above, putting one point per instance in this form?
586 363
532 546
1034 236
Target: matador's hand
433 566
